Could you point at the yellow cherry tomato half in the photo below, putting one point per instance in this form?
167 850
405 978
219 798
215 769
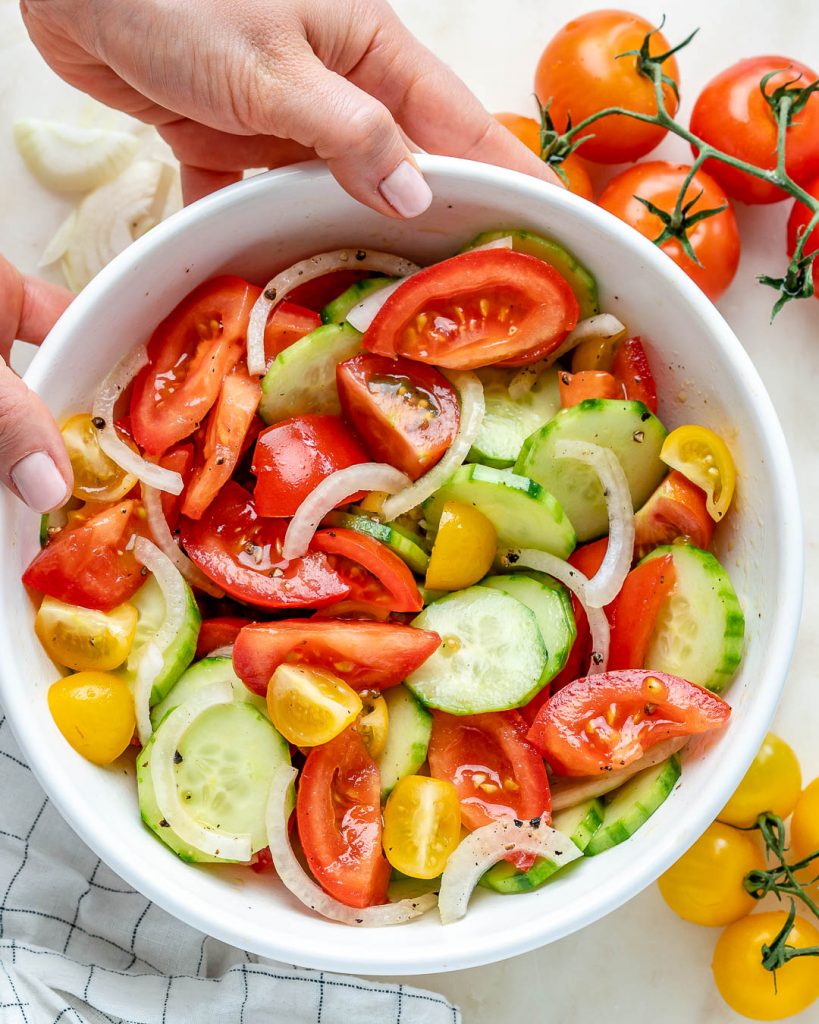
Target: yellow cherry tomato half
422 825
310 706
95 713
96 477
751 989
82 638
703 457
772 783
374 722
805 825
464 548
705 886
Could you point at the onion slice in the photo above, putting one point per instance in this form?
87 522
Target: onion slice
489 844
577 582
606 583
278 288
70 158
296 879
160 531
366 476
111 443
473 407
226 845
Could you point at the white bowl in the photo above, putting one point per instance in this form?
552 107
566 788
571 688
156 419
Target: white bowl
703 376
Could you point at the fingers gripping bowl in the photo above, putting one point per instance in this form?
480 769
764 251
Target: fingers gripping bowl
704 376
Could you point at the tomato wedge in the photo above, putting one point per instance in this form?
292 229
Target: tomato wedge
390 570
189 355
406 413
607 721
89 564
631 367
633 613
241 551
180 460
475 309
367 655
315 294
338 811
218 632
577 387
678 508
288 322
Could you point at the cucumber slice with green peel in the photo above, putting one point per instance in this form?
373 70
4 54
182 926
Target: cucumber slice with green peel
507 422
335 312
633 433
404 887
700 627
581 822
579 277
523 513
552 607
633 803
491 656
228 757
400 541
302 378
408 731
205 673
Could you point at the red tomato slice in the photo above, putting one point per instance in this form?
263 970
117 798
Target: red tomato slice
288 322
405 413
291 459
577 387
315 294
475 309
676 509
633 613
390 570
262 861
229 423
241 552
607 721
350 609
632 369
89 564
338 810
180 460
218 632
368 655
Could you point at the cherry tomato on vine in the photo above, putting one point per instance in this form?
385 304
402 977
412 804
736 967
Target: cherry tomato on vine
797 222
805 825
772 783
572 169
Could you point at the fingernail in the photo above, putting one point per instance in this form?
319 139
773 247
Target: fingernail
406 191
39 483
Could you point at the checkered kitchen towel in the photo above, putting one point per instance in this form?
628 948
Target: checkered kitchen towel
77 946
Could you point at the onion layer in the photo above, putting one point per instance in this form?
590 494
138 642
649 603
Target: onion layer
160 531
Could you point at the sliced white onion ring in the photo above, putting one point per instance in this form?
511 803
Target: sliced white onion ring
577 582
111 443
227 845
296 879
601 325
148 667
220 652
473 407
606 583
278 288
163 538
487 845
367 476
71 158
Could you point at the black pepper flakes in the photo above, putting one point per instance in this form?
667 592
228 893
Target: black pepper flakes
98 422
645 416
164 824
177 757
360 255
270 294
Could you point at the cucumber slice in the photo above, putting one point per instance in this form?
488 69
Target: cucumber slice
402 542
634 435
579 277
408 732
403 887
633 803
302 378
491 656
700 626
581 822
335 312
205 673
552 607
228 755
507 422
522 512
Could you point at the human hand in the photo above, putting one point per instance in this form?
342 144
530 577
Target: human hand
265 83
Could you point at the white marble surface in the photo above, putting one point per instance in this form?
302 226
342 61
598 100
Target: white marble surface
641 964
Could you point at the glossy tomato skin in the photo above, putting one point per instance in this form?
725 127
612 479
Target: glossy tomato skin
572 171
797 222
291 459
218 632
577 387
402 594
367 655
288 322
607 721
579 71
676 509
715 240
241 552
180 460
633 613
314 295
732 115
338 810
476 309
632 369
406 413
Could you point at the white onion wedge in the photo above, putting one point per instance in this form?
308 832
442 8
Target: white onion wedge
489 844
68 158
148 667
473 407
160 531
296 879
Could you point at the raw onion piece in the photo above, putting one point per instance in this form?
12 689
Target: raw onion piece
296 879
148 668
366 476
279 287
160 531
227 845
489 844
606 583
577 582
111 443
473 406
72 159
